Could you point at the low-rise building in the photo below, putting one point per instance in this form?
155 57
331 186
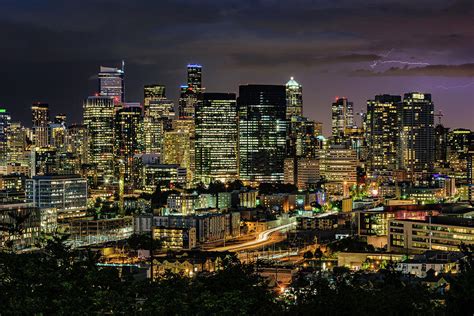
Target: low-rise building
62 196
176 237
434 233
438 261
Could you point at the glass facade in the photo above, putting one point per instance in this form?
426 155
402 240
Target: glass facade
262 132
99 122
216 138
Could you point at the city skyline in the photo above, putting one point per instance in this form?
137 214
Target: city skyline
350 58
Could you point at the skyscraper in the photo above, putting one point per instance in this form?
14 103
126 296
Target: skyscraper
158 116
294 99
99 114
40 112
216 138
17 145
153 92
342 118
441 145
129 136
5 121
111 83
382 132
195 77
190 94
417 139
262 132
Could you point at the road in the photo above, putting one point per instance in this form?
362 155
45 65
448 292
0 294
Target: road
262 239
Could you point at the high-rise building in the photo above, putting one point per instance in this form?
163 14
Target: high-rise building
178 149
190 94
40 112
129 136
382 132
57 136
339 164
441 145
294 99
111 83
153 92
216 138
5 121
195 77
302 138
60 119
17 145
77 142
416 125
342 118
158 117
262 132
99 115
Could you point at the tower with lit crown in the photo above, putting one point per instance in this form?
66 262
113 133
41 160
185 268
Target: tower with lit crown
294 99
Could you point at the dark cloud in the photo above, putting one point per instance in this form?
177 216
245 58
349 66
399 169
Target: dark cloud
51 48
464 70
306 59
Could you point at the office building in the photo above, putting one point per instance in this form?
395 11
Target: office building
176 237
77 142
62 196
40 112
441 145
153 92
262 132
417 137
5 121
339 164
128 137
178 148
382 132
216 138
434 233
342 118
302 172
17 145
195 77
158 117
294 99
111 83
99 113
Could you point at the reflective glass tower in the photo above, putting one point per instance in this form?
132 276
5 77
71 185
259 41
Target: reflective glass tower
216 138
262 132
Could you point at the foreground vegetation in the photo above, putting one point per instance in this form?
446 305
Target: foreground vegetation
58 280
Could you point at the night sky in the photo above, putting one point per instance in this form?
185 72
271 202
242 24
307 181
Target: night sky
51 50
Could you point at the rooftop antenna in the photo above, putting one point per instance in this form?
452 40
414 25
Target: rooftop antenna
123 65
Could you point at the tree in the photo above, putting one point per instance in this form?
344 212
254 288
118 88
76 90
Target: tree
460 297
308 255
143 241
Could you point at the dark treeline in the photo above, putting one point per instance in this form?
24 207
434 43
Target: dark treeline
58 280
